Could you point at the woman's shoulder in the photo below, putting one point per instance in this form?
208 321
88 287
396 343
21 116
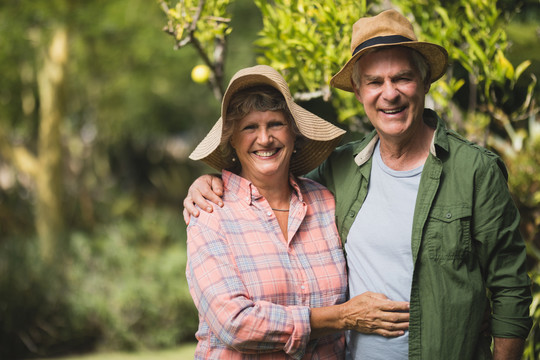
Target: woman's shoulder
313 190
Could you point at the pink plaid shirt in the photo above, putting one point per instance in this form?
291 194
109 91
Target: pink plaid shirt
254 288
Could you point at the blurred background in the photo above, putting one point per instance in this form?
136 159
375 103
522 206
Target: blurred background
102 101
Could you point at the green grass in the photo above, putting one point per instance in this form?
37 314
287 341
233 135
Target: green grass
184 352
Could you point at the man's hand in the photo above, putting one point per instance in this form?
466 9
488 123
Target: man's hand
372 313
204 191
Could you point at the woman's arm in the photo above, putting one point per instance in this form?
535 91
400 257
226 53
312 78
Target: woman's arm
225 303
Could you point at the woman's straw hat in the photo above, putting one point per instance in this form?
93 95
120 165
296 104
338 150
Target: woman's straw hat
321 137
389 28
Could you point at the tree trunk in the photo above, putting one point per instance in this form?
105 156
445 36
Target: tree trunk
49 217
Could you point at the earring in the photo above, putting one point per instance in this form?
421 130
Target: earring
294 151
233 159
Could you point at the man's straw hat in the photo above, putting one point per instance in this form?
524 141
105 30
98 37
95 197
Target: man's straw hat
321 137
389 28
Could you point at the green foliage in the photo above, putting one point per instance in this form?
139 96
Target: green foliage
308 41
34 317
132 289
125 289
186 13
532 346
205 25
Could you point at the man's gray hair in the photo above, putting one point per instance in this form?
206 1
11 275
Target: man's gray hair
418 61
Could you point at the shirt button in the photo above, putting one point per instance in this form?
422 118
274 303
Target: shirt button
269 213
448 215
302 287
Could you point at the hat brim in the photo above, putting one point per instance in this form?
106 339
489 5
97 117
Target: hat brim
321 137
435 55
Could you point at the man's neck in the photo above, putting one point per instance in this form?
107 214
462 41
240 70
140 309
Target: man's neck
408 153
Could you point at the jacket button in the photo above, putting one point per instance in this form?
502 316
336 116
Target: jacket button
448 215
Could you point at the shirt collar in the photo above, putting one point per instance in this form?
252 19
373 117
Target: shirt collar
246 191
439 140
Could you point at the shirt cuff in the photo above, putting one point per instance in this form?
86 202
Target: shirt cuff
295 347
509 327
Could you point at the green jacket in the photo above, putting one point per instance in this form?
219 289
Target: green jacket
466 246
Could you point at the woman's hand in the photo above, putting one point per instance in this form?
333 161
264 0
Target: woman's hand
204 191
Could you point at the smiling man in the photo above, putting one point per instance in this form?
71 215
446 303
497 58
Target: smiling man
426 216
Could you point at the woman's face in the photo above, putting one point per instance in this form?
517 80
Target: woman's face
264 143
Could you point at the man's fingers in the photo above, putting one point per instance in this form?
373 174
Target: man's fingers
205 200
217 186
395 306
389 333
186 216
190 208
395 317
201 200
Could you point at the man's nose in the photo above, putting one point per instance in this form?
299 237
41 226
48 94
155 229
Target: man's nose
390 91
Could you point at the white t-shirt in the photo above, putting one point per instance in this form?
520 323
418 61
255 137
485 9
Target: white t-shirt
379 254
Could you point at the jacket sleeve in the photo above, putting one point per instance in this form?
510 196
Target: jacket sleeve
223 301
502 252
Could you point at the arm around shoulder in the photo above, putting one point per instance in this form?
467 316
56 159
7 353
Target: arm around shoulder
204 191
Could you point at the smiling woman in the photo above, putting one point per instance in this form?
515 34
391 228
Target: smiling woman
275 237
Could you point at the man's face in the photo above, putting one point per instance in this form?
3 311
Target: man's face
392 92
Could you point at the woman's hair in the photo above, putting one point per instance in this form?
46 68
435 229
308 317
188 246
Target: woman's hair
256 98
418 61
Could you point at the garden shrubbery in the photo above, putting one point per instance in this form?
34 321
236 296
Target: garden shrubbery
121 287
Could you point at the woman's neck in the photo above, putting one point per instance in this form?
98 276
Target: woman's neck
276 191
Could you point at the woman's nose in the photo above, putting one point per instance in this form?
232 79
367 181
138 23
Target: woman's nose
265 136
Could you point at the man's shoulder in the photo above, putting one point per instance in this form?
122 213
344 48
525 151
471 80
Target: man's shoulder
351 148
311 187
476 156
462 144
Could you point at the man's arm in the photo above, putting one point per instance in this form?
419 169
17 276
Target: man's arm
508 348
204 191
502 255
368 313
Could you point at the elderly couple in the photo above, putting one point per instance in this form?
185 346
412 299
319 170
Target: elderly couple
430 232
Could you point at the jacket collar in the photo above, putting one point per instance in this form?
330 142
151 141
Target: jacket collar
366 147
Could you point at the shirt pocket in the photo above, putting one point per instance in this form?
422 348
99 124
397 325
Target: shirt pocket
448 234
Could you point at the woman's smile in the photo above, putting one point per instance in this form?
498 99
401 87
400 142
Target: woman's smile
264 144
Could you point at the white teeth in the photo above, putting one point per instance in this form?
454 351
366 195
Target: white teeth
265 153
392 111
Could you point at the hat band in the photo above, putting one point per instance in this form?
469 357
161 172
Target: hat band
392 39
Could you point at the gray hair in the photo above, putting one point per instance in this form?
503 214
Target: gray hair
417 59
